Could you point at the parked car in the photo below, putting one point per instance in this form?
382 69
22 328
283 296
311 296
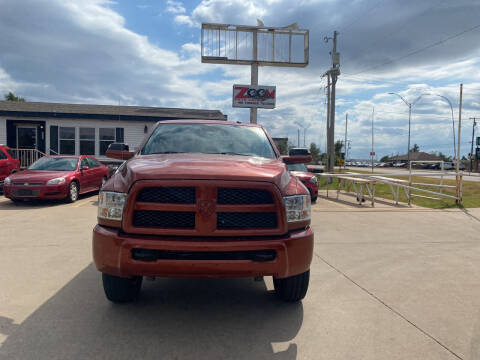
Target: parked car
307 178
8 163
57 177
204 198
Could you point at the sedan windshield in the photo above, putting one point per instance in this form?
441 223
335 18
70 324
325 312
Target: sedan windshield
297 167
209 139
55 164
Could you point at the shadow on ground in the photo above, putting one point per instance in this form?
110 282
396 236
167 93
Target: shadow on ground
173 319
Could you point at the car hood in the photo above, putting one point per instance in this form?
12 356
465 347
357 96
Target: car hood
201 167
37 175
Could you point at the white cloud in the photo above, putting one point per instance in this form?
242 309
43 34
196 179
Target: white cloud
184 20
175 7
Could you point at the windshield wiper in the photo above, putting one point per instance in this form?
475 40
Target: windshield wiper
229 153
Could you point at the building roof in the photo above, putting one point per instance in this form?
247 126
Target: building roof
417 156
39 109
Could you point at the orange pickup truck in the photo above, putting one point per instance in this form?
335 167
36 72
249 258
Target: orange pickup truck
203 199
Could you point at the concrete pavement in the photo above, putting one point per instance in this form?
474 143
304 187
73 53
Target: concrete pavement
386 283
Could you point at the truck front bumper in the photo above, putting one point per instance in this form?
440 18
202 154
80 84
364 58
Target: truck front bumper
116 253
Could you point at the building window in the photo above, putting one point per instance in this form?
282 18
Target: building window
107 137
67 140
87 141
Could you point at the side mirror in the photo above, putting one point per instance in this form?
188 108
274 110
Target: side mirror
296 159
119 151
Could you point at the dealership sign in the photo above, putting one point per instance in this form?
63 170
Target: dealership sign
254 96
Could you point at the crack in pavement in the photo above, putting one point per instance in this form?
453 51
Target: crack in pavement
389 307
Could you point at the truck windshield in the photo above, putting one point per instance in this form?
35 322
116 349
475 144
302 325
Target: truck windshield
209 139
55 164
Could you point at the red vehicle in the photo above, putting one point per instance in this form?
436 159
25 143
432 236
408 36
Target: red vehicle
307 178
204 199
57 177
8 163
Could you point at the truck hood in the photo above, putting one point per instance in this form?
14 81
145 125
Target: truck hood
201 167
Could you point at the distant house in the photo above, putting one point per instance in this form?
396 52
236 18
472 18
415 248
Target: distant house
417 156
77 129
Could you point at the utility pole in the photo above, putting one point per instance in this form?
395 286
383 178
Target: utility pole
459 195
372 154
298 137
332 79
473 137
345 156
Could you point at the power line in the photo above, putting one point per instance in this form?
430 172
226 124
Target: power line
439 42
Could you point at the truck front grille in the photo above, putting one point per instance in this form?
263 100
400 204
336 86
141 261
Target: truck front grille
164 219
245 220
204 208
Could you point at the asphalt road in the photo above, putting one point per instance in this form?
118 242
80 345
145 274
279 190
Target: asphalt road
386 283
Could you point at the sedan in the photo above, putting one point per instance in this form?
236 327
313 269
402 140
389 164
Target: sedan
307 178
57 177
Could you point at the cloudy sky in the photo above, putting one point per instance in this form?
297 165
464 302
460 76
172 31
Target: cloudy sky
146 52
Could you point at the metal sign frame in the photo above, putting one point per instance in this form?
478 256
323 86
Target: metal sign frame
262 45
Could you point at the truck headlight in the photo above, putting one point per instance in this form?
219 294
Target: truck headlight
314 180
56 181
111 204
297 207
7 181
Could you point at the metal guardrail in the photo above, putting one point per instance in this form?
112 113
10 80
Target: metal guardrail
27 156
389 179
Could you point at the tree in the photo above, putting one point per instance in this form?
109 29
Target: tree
415 148
12 97
338 152
386 158
315 152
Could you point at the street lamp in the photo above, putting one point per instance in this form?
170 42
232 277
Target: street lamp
409 118
304 129
453 120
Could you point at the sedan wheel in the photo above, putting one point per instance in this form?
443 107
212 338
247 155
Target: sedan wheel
72 192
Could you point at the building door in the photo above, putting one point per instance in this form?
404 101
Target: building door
27 137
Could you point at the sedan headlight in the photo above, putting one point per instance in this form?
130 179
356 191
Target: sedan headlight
297 207
56 181
314 180
111 204
7 181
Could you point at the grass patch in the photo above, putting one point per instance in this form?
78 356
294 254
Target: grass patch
471 192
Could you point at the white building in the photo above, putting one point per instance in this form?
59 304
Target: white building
76 129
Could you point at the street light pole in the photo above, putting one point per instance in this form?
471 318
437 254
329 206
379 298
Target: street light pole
453 121
410 105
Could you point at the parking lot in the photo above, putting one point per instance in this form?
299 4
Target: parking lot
386 283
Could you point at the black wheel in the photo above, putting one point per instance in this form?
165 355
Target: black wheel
293 288
72 195
119 290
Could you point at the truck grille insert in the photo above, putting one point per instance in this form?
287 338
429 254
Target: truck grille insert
154 255
168 195
245 220
164 219
228 196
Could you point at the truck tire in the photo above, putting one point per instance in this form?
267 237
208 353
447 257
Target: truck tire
120 290
293 288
